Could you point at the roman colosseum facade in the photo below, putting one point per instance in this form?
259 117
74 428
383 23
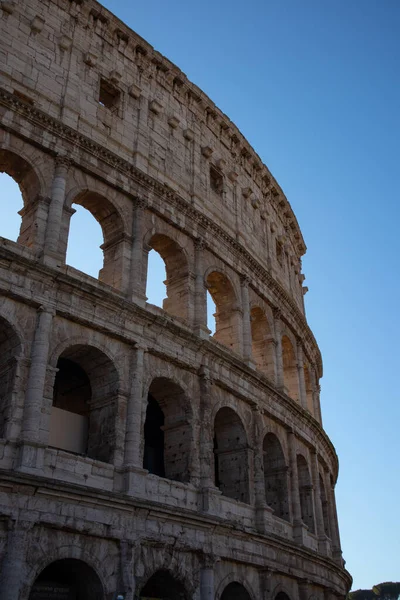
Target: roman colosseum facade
139 455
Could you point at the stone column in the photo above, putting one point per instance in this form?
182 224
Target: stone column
319 517
133 434
246 329
138 271
300 371
200 292
127 563
298 526
303 589
333 521
56 208
209 499
13 568
31 425
316 395
278 348
207 580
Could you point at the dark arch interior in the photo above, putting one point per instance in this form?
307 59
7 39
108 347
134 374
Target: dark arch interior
235 591
163 586
67 579
153 459
282 596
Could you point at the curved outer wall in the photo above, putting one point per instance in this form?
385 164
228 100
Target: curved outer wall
92 115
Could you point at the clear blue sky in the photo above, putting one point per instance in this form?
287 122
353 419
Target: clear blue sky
314 86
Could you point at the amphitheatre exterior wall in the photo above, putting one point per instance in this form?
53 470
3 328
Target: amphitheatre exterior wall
92 115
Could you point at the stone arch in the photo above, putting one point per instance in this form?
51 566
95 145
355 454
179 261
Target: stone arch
33 213
231 460
263 350
164 585
176 263
73 551
281 596
109 217
237 579
167 430
10 351
276 477
306 493
281 592
71 576
290 375
227 316
85 399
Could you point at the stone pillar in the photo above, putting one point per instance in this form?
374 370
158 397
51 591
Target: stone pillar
200 292
133 434
138 271
207 580
319 517
303 589
246 329
333 521
54 219
127 576
13 569
278 348
298 525
300 371
316 395
263 511
31 425
209 501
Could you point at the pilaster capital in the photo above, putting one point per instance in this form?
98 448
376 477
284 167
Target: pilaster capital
277 313
141 202
62 160
199 244
244 280
50 310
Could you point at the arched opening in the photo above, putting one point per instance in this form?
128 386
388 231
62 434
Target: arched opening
235 591
112 242
211 312
163 586
306 493
84 407
176 302
308 386
231 460
227 321
167 431
156 290
262 342
276 477
282 596
67 579
325 507
83 226
10 348
290 376
20 188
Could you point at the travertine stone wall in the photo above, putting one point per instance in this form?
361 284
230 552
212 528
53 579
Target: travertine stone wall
205 471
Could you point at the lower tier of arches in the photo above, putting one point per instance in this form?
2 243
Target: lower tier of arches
56 544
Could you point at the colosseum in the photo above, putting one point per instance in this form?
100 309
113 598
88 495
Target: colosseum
141 456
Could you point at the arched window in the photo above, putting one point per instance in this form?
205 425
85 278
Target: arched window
305 491
68 578
20 188
113 244
290 376
84 403
83 227
309 392
235 591
276 477
324 504
176 282
162 585
10 348
227 321
231 455
167 439
262 342
211 313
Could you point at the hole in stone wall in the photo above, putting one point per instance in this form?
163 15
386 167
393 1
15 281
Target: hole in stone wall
216 181
84 241
67 578
156 290
211 311
109 95
12 203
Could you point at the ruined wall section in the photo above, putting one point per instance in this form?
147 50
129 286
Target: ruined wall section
80 64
